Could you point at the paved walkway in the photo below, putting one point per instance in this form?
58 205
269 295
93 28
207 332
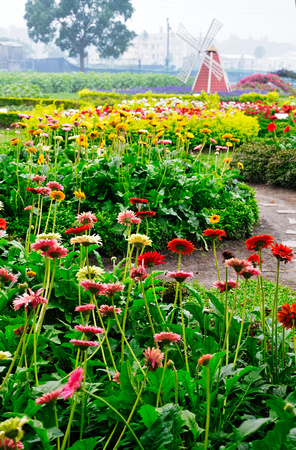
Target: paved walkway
277 217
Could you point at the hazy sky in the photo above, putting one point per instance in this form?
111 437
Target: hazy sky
275 19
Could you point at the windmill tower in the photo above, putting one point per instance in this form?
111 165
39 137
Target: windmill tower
211 76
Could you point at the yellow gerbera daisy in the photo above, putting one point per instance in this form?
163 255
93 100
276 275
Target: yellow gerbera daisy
139 240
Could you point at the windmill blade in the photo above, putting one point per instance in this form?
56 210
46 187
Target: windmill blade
216 68
210 36
185 72
184 34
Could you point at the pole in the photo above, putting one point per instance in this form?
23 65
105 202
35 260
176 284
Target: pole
167 60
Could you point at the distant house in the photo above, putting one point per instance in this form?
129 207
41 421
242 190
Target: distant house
11 56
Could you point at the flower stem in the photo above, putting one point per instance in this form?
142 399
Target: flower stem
183 329
132 412
73 407
242 325
147 309
57 425
216 261
162 376
208 408
16 353
118 413
126 341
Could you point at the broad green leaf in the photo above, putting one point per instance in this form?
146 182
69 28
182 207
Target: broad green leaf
250 426
85 444
275 438
149 415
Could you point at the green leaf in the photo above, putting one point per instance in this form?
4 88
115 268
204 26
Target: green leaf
251 426
85 444
190 422
277 406
275 438
149 415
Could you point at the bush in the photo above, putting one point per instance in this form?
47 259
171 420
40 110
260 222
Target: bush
269 162
253 97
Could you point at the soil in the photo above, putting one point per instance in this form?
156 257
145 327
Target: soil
270 200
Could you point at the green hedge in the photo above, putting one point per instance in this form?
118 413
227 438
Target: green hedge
17 101
269 162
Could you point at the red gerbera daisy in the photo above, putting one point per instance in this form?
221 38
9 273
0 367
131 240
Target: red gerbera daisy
271 126
282 252
181 246
287 316
150 259
254 259
138 201
214 234
258 242
78 230
3 224
143 214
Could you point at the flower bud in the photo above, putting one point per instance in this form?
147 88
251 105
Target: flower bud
23 287
289 408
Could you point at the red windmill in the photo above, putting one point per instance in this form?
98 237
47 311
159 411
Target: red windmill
211 76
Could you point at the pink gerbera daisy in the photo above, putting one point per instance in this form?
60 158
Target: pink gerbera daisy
115 378
6 276
49 397
85 308
108 311
180 275
124 218
73 384
166 337
238 264
89 330
7 443
138 273
55 186
93 287
86 217
112 288
43 244
38 179
33 299
221 285
83 345
56 252
153 358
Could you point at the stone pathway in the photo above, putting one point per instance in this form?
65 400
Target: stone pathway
277 217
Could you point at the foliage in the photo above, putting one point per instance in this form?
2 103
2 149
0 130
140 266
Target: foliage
74 26
269 162
74 82
20 90
270 97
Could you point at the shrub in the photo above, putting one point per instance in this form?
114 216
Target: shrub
271 97
269 162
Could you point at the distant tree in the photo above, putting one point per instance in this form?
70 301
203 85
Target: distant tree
73 25
259 51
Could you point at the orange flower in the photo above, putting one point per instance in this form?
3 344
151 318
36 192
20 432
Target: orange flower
214 234
57 195
287 315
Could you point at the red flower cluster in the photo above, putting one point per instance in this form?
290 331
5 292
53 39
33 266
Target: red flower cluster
78 230
3 224
287 316
271 126
214 234
256 243
138 201
143 214
282 252
150 259
181 246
